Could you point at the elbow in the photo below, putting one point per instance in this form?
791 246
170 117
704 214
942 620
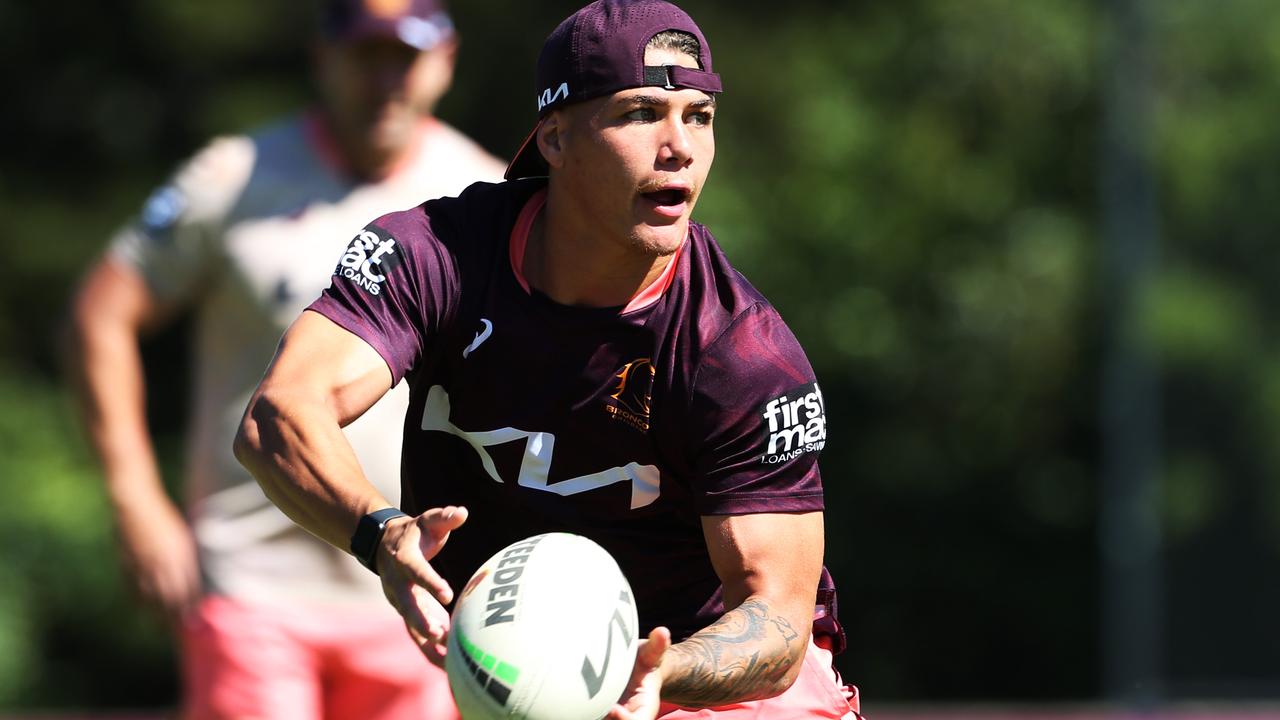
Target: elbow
247 446
247 441
792 673
789 664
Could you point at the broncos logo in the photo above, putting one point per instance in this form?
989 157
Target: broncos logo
633 393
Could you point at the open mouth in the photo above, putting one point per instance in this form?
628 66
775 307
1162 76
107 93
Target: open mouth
670 196
666 200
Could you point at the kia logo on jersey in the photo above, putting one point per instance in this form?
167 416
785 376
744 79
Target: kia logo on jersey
795 423
369 257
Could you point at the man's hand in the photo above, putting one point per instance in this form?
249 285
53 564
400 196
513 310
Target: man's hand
641 699
159 553
414 588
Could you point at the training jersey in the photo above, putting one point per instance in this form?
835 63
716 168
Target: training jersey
245 235
626 425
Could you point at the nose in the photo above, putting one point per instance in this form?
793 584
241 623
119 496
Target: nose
677 147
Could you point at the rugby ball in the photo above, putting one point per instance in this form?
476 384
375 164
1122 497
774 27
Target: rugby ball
546 629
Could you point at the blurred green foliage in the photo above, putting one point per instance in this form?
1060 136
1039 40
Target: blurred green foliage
914 184
69 633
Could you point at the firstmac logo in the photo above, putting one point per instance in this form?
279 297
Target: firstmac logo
547 97
795 423
368 258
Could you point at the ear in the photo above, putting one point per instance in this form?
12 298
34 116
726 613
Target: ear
551 137
448 50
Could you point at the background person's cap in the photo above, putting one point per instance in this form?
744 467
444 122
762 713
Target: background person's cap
600 50
421 24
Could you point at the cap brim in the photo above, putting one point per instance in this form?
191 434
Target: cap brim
528 161
412 31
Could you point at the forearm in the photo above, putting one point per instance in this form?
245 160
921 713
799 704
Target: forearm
107 374
752 652
296 449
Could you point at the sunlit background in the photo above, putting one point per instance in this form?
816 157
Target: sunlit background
1029 245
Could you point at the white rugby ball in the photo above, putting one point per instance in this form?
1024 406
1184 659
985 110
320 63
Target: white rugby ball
546 629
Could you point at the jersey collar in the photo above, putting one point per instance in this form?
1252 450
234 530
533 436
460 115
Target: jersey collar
520 241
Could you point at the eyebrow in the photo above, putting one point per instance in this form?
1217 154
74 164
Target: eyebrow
706 102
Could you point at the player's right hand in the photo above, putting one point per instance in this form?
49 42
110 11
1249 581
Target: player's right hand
642 698
159 554
414 588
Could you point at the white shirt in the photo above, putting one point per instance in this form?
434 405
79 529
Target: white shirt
248 233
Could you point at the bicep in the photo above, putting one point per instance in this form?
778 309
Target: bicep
777 556
321 360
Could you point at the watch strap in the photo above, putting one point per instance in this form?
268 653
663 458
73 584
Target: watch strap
368 534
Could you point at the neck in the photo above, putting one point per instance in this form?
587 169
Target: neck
367 161
361 155
572 265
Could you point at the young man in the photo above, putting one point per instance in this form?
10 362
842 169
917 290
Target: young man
273 622
581 357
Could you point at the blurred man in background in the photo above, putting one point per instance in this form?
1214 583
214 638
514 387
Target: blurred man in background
274 623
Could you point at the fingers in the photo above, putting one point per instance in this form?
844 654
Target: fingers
178 590
435 526
644 712
439 522
425 576
620 713
650 653
642 699
434 651
166 576
416 590
401 597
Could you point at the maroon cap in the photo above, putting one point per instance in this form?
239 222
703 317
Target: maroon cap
417 23
600 50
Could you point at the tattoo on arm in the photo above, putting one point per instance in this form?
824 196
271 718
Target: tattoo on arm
746 655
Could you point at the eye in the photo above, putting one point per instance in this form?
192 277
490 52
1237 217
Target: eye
701 118
642 114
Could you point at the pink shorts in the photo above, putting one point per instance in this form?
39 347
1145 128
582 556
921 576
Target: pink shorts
245 661
817 693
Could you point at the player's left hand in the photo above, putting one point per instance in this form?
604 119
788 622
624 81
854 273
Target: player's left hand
412 586
434 645
641 699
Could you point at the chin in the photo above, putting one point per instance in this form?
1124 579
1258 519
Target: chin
390 129
660 240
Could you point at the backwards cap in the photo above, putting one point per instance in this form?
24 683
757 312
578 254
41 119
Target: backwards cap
600 50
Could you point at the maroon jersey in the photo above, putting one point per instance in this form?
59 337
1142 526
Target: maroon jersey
625 425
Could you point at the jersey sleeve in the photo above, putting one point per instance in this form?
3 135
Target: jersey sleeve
759 420
173 243
391 288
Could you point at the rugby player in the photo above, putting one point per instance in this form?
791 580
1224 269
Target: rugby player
273 623
581 357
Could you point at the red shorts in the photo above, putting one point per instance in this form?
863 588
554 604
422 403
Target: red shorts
245 661
818 692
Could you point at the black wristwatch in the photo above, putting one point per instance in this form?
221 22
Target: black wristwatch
368 534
